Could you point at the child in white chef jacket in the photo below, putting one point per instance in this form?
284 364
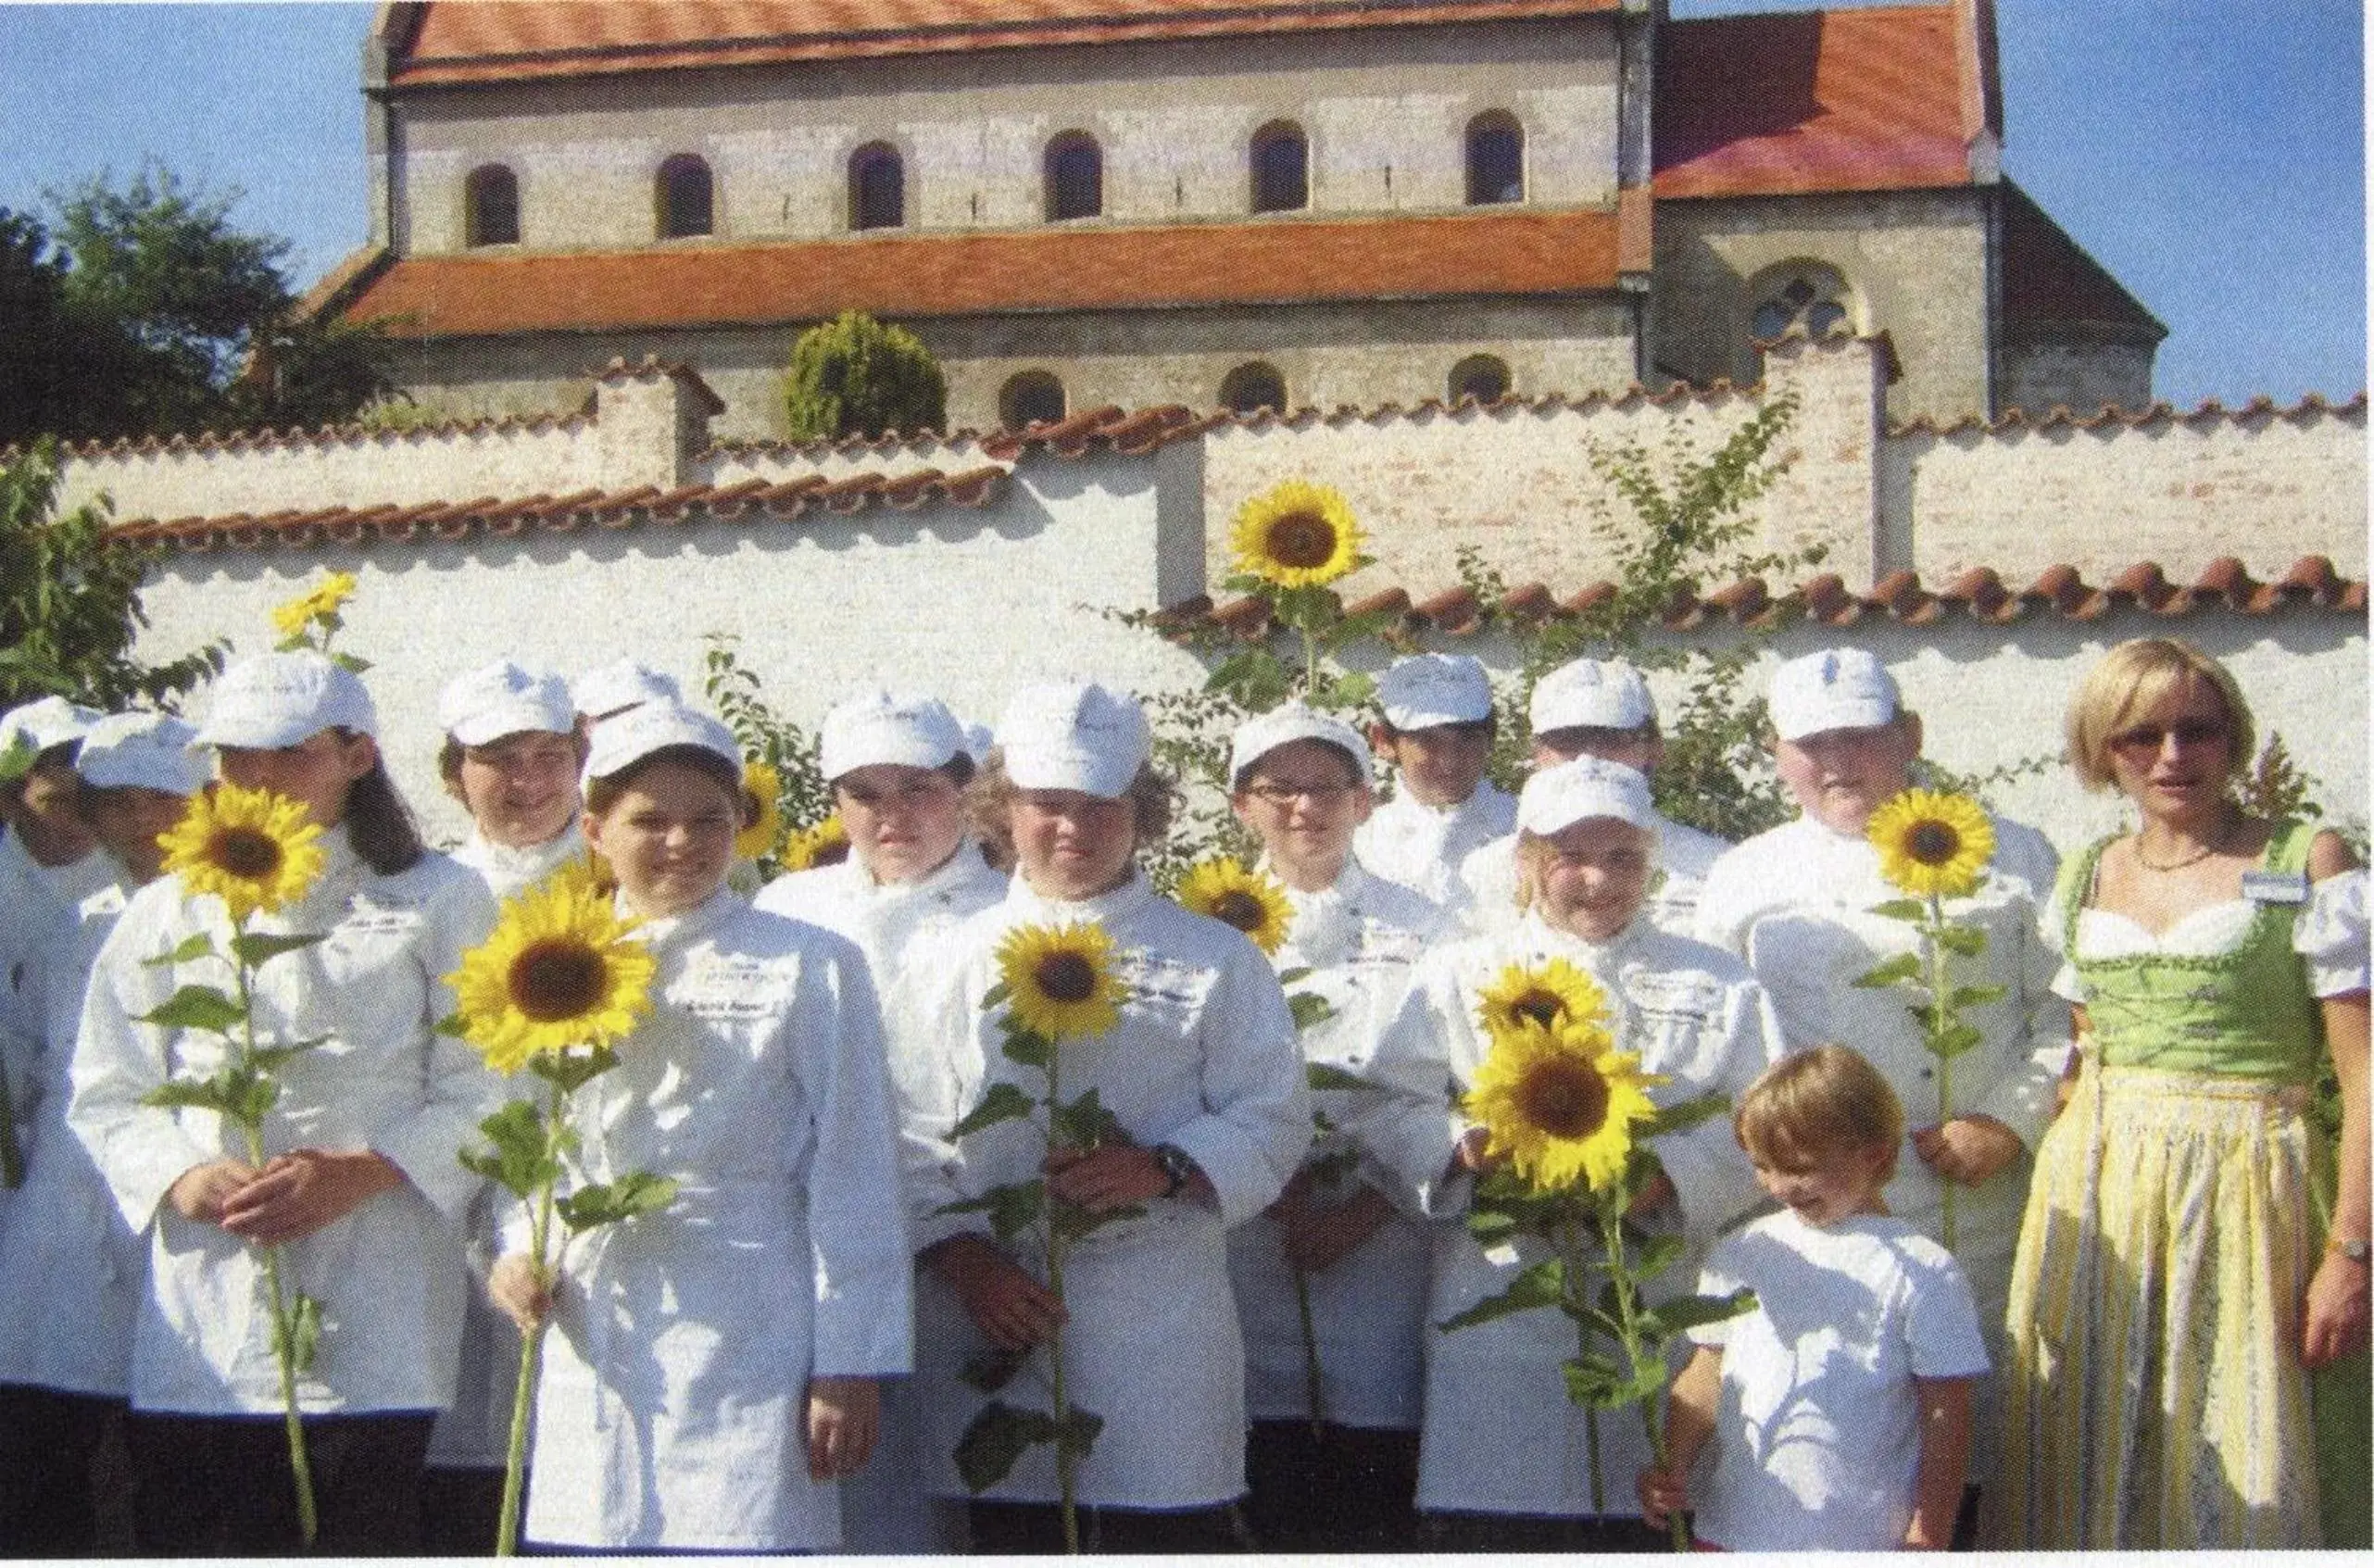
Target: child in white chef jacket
710 1377
1840 1406
1340 1477
511 758
1435 729
74 1268
898 767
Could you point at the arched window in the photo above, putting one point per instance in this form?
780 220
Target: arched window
1800 294
491 205
1495 159
1481 377
687 198
1032 397
1076 177
1253 386
1281 160
877 187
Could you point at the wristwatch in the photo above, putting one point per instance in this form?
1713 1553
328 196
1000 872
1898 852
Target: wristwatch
2355 1251
1177 1165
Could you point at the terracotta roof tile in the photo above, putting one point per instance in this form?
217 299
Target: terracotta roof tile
908 277
749 500
1791 102
510 40
2311 585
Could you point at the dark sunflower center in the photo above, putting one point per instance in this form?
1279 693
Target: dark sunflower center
1538 1007
1566 1099
1932 843
1241 909
1302 540
248 853
1066 977
557 980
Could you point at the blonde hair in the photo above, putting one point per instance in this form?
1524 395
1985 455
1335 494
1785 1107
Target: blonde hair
1817 1105
2130 679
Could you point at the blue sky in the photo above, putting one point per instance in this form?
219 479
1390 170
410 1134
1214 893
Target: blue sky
2212 156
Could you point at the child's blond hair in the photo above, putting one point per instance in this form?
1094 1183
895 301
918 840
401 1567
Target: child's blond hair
1815 1105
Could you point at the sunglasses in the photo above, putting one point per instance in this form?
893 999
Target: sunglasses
2147 739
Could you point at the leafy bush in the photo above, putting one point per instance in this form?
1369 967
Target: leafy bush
855 376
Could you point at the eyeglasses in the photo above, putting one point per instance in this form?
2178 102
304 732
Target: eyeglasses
2145 740
1287 794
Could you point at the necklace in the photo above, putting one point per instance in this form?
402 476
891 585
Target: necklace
2225 831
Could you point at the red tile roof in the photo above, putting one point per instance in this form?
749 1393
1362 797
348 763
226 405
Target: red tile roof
1981 594
512 40
1073 268
1888 98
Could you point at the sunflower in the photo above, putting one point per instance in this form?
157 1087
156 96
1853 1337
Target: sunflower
1560 1101
1932 843
1251 901
1554 991
1296 535
560 969
317 603
826 844
252 848
1060 980
763 785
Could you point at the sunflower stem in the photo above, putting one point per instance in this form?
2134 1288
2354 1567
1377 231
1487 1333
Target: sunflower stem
1067 1463
12 1153
507 1529
1941 1018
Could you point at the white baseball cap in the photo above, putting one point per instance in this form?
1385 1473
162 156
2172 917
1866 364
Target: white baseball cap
620 685
37 726
1264 733
142 751
502 699
1835 689
882 727
1557 798
1428 689
978 742
655 726
1073 736
1591 694
278 700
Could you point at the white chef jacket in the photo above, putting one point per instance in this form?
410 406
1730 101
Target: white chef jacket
74 1270
672 1411
1421 847
1204 1058
38 906
474 1433
1487 880
1795 902
884 1508
1358 940
389 1276
1501 1435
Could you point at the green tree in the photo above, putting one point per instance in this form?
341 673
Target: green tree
157 316
856 376
70 600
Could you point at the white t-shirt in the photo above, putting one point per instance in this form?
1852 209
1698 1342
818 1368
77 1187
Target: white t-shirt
1816 1442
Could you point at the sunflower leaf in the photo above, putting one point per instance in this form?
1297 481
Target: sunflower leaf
1683 1115
1326 1075
1902 908
252 948
1658 1254
1974 995
1962 941
1592 1379
1686 1312
1890 972
1086 1124
1310 1008
1013 1206
271 1059
993 1369
451 1026
1077 1432
518 1157
998 1438
191 949
1004 1102
1954 1039
197 1006
304 1333
1543 1285
1071 1221
574 1069
601 1203
1027 1046
997 995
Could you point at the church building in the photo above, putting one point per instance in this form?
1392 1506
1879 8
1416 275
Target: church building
1261 203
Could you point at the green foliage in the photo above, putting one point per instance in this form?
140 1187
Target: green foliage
603 1203
856 376
70 600
156 315
804 798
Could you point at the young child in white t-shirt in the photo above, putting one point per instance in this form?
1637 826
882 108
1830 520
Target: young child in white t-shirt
1840 1406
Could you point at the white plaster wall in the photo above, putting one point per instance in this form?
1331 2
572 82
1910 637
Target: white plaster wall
965 603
